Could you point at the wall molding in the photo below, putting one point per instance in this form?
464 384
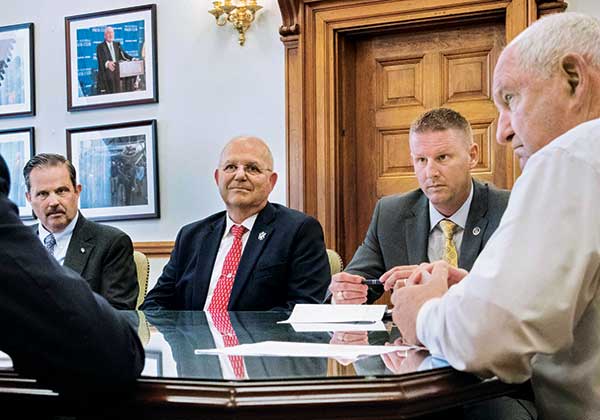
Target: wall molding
158 249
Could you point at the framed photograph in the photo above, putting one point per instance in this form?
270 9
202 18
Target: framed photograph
17 81
117 166
17 147
111 58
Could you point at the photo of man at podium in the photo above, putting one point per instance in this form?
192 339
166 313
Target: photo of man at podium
117 70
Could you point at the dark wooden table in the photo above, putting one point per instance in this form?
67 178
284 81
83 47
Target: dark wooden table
178 384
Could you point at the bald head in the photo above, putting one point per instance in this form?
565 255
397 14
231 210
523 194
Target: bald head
245 176
253 145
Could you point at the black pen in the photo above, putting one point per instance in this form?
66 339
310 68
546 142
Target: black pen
371 282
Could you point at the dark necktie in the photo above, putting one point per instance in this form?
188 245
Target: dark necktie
50 244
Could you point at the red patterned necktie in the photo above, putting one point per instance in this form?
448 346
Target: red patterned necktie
220 298
223 324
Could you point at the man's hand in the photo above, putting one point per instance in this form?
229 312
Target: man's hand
349 338
347 288
404 361
408 300
111 65
397 276
455 275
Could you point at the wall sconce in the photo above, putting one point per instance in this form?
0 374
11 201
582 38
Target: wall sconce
240 16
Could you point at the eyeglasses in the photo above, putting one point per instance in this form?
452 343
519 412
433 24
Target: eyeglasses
250 169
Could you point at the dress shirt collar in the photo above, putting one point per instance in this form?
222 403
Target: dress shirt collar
248 224
459 218
42 232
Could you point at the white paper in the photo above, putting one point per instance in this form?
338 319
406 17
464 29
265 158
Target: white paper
333 327
291 349
5 361
318 314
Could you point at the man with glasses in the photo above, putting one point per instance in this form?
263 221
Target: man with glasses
254 256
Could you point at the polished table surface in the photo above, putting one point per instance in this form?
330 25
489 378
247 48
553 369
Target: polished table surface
177 383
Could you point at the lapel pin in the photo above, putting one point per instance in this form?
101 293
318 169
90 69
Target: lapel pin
476 230
82 250
262 235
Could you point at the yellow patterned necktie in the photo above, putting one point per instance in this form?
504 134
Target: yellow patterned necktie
450 254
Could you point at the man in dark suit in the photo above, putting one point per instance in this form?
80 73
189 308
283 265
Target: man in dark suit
255 256
406 229
103 255
108 54
53 327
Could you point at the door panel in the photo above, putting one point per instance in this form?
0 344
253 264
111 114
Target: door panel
401 75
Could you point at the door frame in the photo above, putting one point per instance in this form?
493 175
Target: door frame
313 33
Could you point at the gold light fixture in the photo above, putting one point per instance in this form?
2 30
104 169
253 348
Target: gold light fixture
240 16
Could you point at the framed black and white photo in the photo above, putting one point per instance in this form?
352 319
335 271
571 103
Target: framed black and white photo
117 166
111 58
17 147
17 81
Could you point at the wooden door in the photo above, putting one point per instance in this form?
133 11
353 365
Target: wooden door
400 75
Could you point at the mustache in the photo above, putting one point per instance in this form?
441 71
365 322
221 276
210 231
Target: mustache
57 211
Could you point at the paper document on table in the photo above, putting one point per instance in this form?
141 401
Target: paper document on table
318 314
333 327
290 349
5 361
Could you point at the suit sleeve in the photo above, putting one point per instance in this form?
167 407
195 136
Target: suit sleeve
162 295
368 259
119 276
54 327
309 273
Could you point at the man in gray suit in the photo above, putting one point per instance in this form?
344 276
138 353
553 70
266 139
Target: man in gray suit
102 255
406 229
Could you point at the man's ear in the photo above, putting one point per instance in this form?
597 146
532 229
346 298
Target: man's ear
572 67
473 155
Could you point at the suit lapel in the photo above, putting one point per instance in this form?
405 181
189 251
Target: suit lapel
417 232
208 244
80 246
475 227
259 237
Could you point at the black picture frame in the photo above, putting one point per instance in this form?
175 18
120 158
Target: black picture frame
17 71
17 146
117 166
91 85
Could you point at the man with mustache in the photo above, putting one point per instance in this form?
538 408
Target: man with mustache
407 229
255 256
53 327
103 255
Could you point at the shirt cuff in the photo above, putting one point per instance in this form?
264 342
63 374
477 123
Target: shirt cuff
427 324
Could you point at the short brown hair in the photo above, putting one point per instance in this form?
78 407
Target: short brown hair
441 119
48 159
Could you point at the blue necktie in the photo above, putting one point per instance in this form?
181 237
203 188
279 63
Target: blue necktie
50 243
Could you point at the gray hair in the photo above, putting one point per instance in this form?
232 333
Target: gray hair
541 45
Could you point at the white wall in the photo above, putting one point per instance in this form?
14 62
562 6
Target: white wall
590 7
210 89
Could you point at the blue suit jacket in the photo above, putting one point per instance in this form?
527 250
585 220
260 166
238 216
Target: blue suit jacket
288 266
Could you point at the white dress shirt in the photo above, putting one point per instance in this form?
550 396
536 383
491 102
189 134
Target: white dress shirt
62 239
224 247
530 308
437 241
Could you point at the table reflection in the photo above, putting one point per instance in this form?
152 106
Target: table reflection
170 338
